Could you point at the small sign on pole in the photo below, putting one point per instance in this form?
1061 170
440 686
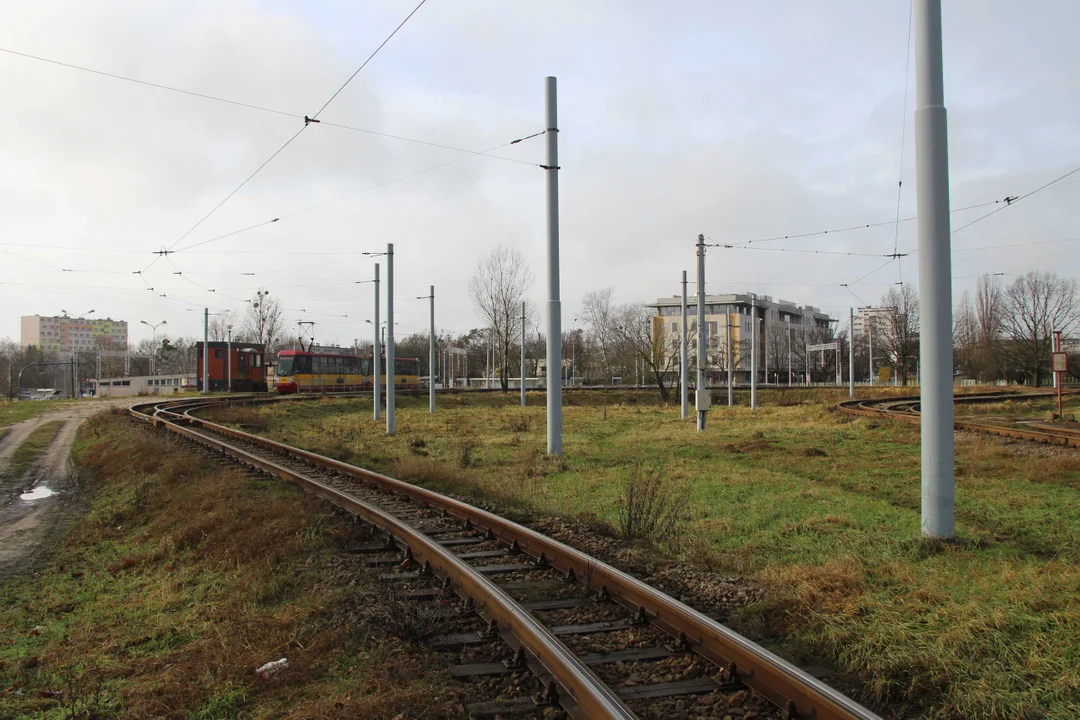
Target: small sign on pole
1060 362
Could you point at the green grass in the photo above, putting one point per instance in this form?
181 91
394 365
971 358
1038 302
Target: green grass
819 507
32 447
183 578
12 412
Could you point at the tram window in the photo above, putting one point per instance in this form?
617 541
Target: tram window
365 366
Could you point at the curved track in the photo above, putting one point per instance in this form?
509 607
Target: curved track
907 408
438 535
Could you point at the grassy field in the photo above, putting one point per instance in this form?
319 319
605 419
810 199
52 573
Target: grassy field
32 447
819 507
181 580
13 412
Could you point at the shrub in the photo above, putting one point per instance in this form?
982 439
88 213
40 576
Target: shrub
652 505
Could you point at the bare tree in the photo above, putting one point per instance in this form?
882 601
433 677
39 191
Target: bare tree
966 336
598 312
1036 304
989 308
219 326
632 330
264 323
497 288
901 336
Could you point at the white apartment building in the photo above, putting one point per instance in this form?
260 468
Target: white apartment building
873 319
784 329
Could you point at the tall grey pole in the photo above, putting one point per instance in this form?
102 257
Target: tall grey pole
730 361
487 362
851 355
702 396
684 357
206 350
431 359
789 356
554 318
228 362
376 360
753 351
935 273
522 353
390 369
870 340
805 352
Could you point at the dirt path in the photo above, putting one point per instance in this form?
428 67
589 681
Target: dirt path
29 527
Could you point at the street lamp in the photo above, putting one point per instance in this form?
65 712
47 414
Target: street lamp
153 352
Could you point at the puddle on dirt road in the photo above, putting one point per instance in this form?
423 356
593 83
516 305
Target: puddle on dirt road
37 493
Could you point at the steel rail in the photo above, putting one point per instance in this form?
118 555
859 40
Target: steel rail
589 697
907 409
790 688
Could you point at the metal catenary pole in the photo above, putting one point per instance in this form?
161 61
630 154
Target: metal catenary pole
228 361
390 369
701 396
376 360
806 353
554 315
206 350
870 320
753 351
789 355
431 358
851 354
935 273
684 357
730 361
522 353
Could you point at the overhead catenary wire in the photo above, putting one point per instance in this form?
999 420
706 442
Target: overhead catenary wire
1012 201
358 192
903 136
307 123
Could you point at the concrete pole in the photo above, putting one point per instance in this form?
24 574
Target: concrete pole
228 362
522 353
684 357
390 369
753 352
851 354
702 396
206 350
487 362
935 275
554 319
730 361
431 358
376 360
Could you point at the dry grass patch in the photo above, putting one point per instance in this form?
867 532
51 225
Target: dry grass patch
185 577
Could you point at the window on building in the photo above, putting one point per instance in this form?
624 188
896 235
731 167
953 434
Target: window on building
218 354
674 327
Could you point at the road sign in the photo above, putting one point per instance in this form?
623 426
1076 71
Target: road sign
1059 362
824 346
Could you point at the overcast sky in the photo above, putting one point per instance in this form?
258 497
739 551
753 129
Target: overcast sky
736 120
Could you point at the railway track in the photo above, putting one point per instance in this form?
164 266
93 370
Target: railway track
907 408
543 599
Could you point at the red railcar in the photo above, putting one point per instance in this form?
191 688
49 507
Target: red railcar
234 367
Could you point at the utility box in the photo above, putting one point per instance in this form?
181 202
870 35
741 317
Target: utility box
703 400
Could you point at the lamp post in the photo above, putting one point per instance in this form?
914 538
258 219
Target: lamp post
77 390
153 353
